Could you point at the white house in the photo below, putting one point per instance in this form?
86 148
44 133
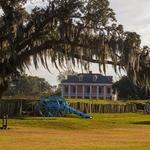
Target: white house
87 85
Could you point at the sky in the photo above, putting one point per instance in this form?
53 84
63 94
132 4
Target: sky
134 15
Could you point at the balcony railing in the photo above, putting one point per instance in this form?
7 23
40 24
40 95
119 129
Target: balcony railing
72 94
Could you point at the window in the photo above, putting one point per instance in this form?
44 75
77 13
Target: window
66 89
100 90
80 78
95 78
88 89
74 89
108 90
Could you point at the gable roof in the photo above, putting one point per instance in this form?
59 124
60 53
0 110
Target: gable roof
88 78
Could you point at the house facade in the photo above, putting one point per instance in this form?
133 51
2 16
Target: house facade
87 85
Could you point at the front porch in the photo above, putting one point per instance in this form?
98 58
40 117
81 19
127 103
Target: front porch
87 91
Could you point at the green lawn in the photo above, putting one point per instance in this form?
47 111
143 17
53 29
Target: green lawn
103 132
105 101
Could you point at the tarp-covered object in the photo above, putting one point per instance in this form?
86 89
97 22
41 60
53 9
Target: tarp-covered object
55 106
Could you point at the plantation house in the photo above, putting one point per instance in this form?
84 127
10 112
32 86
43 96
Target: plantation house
87 85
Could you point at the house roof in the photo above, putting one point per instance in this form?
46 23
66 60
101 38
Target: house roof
88 78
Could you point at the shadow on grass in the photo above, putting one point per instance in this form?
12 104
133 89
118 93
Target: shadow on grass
42 118
142 123
33 118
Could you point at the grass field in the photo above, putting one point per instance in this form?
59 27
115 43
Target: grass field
106 101
103 132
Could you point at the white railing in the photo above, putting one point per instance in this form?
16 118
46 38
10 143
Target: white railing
72 94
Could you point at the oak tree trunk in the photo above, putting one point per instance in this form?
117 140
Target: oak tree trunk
3 88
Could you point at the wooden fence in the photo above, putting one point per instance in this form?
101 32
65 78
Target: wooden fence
21 107
10 108
104 108
17 107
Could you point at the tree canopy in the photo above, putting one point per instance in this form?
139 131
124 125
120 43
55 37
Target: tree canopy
68 31
28 86
63 75
126 89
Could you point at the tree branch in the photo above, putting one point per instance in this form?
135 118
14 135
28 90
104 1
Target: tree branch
49 45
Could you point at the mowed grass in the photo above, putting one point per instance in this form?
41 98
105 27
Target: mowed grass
94 101
103 132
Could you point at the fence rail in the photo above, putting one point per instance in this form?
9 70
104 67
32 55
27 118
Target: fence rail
105 108
21 107
10 108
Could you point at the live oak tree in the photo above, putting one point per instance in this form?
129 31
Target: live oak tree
68 31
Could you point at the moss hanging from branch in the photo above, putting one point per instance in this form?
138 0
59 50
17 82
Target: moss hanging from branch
65 31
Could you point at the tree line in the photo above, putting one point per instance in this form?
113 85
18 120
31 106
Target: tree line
32 86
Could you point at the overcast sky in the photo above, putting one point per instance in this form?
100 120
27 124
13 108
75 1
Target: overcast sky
133 14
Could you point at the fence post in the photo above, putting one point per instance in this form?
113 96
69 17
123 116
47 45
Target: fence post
4 122
20 108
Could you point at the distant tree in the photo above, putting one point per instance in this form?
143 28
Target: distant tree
128 90
63 75
57 90
29 86
67 31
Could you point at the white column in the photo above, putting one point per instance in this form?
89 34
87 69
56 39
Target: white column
69 91
104 92
83 90
90 91
62 90
97 92
76 90
116 95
